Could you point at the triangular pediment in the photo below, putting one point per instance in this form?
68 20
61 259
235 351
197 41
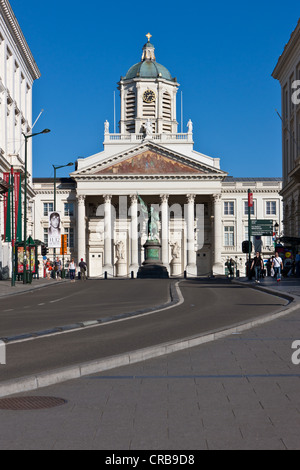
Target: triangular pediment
149 163
148 160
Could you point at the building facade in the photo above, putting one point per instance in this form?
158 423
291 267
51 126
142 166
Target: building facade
200 211
287 71
18 71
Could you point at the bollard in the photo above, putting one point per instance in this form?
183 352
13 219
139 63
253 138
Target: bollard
132 275
184 274
105 274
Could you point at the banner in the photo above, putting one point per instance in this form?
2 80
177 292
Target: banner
7 220
54 230
18 207
17 215
64 247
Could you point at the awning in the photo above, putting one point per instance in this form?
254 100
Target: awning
3 186
290 240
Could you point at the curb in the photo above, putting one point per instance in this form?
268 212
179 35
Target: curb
77 371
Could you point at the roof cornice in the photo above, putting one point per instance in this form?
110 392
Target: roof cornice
294 39
16 32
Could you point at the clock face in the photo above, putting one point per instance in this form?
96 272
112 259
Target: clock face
149 96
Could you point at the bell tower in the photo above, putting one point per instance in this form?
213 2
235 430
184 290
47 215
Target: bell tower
148 97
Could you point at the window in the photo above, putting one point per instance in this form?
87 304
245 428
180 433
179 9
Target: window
228 208
268 241
246 208
69 209
270 207
48 207
69 231
46 236
228 236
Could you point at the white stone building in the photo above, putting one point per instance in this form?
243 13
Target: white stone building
287 71
202 219
18 71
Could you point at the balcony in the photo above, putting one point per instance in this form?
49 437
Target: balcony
163 138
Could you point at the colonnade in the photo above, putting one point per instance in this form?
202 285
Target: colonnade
134 232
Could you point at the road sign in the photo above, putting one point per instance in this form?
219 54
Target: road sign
263 228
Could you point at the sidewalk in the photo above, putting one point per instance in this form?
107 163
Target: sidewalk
7 289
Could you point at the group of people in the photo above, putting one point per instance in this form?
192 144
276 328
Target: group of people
275 264
54 269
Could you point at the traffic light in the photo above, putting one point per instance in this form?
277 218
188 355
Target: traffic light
44 250
245 246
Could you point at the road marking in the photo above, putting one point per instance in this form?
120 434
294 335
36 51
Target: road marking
57 300
9 310
41 304
109 322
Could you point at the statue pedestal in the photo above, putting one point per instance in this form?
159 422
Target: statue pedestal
176 268
152 266
121 268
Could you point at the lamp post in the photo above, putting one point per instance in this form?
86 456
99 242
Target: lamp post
276 228
57 167
26 137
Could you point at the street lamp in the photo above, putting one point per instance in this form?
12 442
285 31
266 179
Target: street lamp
57 168
26 137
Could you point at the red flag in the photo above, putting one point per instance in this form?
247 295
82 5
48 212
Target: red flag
6 208
250 199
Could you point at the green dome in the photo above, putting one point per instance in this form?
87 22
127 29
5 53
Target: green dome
148 69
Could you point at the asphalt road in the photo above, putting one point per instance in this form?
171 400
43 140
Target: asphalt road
208 306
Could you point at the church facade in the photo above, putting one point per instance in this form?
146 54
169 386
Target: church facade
200 213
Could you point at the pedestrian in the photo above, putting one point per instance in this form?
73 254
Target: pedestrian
72 270
83 269
258 265
48 268
278 266
57 269
269 267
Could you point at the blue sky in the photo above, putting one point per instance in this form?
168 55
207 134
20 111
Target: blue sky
222 53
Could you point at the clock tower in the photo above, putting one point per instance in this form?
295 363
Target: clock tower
148 97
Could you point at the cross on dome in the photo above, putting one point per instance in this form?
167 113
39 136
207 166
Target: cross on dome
148 36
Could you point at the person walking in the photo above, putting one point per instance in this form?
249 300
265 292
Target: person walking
258 265
278 266
83 269
72 270
57 269
48 268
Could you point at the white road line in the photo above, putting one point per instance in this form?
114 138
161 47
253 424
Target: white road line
75 330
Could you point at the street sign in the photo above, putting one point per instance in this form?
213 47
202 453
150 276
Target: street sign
264 228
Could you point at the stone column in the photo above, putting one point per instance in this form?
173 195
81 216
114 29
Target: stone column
165 230
191 255
134 236
218 234
81 228
107 235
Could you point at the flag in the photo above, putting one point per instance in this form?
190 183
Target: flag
18 206
7 215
